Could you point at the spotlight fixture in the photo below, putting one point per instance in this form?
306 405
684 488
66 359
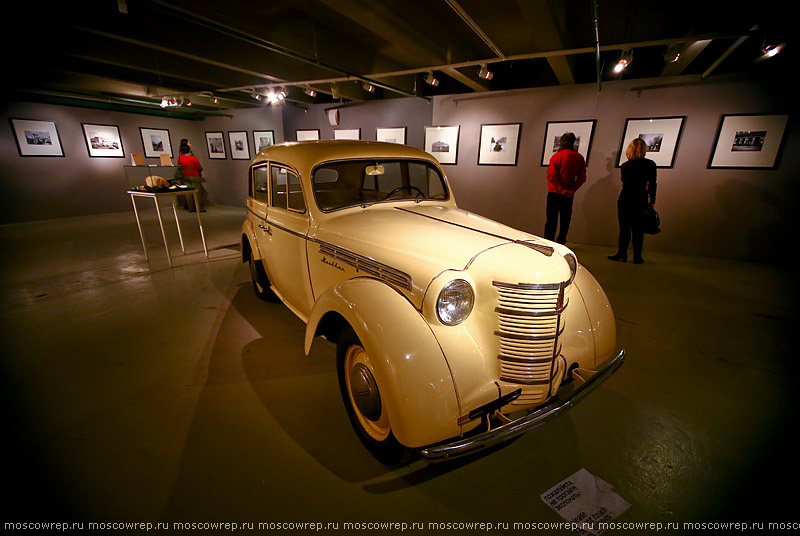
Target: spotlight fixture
274 97
216 100
369 88
624 61
672 54
334 90
310 92
771 49
485 73
430 79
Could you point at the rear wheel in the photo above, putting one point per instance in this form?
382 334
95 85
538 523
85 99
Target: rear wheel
261 284
365 406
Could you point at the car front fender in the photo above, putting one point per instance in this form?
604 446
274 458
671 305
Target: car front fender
411 371
591 335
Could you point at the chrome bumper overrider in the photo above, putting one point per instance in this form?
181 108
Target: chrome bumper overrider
515 428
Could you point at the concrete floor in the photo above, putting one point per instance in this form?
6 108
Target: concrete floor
137 392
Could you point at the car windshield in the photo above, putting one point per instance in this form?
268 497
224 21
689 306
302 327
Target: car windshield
364 182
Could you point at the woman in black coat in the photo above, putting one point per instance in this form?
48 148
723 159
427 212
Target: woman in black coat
638 191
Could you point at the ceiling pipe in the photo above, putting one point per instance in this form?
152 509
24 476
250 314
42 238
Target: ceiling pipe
272 47
597 46
477 63
475 28
727 53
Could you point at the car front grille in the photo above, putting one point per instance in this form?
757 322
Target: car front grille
530 324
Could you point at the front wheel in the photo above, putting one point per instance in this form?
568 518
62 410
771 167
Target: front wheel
365 406
261 285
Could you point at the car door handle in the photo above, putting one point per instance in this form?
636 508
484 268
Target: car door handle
265 229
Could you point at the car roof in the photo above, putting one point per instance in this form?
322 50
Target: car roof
304 155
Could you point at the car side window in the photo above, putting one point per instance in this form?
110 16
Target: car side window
260 183
296 201
278 186
286 190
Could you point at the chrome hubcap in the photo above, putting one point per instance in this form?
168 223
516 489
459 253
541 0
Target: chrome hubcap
364 391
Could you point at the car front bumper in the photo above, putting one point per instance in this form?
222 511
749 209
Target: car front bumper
560 404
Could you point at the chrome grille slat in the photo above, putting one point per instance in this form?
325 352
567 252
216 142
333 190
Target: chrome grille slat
529 328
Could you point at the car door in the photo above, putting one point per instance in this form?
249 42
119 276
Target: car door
287 225
257 204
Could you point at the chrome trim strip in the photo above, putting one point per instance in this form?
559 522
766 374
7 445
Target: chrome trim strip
520 312
541 248
367 265
528 286
519 337
540 416
525 382
526 361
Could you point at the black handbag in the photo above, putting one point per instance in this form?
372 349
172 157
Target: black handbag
651 222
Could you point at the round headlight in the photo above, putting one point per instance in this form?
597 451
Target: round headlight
573 266
455 302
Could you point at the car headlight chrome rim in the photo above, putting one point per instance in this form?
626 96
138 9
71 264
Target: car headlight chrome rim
455 302
572 261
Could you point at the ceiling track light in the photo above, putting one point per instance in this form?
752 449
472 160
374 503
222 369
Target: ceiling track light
771 49
310 92
334 90
431 80
624 60
672 54
485 73
369 88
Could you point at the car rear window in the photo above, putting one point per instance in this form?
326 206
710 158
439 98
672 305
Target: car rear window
364 182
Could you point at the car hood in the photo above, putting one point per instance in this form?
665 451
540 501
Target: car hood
419 240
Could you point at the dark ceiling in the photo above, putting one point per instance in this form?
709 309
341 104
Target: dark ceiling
132 53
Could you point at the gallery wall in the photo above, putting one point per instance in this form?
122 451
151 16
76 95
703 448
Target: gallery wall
412 113
733 213
42 188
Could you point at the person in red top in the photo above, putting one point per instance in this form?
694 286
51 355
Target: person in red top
565 174
192 176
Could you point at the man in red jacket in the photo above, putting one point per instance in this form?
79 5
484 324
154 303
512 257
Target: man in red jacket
565 174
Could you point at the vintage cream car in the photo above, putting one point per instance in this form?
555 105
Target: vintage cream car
453 332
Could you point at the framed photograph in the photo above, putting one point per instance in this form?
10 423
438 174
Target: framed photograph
748 141
499 145
661 134
307 135
36 138
391 135
263 139
216 146
240 149
103 140
583 130
155 142
347 134
442 143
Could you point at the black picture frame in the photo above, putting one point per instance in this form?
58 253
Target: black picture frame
35 137
214 148
149 143
670 137
240 146
491 146
99 148
555 129
756 149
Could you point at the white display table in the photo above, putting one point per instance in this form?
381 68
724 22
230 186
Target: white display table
172 194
